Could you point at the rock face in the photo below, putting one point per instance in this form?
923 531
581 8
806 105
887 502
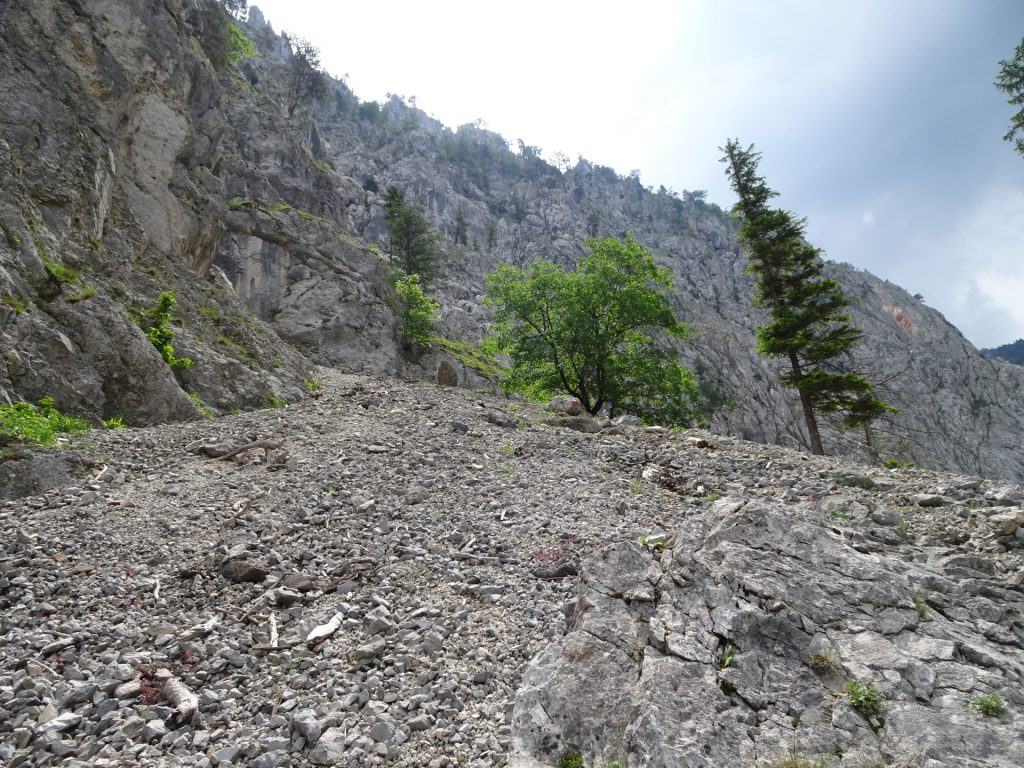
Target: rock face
131 155
735 644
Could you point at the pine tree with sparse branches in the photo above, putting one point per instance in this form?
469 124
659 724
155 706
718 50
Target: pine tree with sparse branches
809 325
1011 81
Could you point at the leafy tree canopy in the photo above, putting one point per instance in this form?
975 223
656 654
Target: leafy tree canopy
1011 82
808 323
601 333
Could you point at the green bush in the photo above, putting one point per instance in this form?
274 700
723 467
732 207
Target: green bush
865 698
36 424
419 312
239 46
990 706
114 422
160 334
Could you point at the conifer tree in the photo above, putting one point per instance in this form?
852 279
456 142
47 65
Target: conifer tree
1011 82
809 325
412 242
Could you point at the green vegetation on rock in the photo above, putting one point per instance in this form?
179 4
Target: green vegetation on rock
160 334
600 333
418 313
411 240
37 424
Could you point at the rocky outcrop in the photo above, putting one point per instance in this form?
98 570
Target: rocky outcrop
737 640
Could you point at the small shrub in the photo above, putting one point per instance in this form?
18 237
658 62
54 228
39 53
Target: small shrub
822 663
114 422
239 46
990 706
419 312
726 659
865 698
35 424
571 758
61 273
795 759
14 303
12 237
273 401
920 605
160 334
312 385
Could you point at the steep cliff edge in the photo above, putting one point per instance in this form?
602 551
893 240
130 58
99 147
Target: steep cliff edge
131 153
135 157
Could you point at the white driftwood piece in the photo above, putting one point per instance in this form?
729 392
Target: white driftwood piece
318 634
199 630
185 702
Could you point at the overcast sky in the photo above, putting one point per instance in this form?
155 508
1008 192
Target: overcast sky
877 119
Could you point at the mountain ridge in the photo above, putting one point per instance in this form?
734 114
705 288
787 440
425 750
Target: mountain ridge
242 209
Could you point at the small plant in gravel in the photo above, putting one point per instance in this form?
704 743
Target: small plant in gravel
571 758
990 705
865 698
273 401
312 385
114 422
36 424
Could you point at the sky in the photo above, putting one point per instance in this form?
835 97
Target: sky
877 119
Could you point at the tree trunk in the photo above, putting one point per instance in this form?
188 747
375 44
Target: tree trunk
809 418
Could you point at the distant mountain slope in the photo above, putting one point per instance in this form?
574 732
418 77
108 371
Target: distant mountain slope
136 157
1011 353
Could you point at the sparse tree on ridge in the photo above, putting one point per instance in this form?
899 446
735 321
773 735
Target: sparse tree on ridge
306 78
1011 82
809 325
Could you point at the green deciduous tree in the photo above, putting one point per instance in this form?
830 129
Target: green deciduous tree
601 333
1011 82
809 325
411 240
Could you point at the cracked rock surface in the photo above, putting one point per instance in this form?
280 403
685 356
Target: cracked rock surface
389 577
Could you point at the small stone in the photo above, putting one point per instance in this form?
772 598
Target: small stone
416 495
305 723
382 731
330 750
225 755
369 650
65 721
243 571
564 404
153 731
